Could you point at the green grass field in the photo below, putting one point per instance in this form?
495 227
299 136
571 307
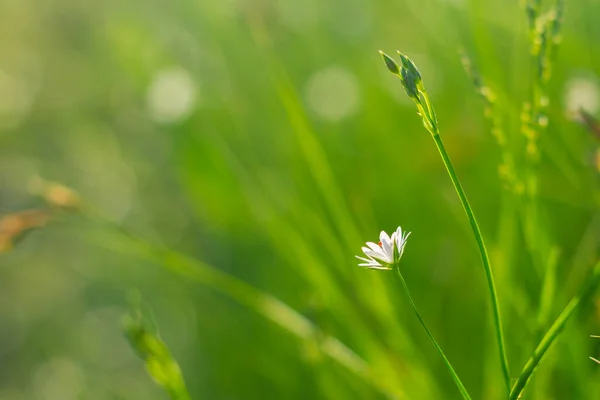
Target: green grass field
216 166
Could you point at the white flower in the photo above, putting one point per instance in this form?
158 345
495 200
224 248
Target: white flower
386 253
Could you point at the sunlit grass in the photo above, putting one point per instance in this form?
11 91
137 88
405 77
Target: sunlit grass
235 198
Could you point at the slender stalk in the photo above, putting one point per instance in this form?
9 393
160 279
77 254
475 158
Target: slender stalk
457 380
484 256
554 331
413 85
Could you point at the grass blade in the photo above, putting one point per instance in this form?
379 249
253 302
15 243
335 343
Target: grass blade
553 333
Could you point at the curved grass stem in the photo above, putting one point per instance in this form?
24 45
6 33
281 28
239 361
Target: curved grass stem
484 256
553 333
459 384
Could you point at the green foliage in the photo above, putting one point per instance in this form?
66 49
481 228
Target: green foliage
237 154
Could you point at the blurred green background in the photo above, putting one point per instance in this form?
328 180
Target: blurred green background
267 140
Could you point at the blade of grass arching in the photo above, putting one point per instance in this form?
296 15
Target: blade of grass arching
254 299
552 334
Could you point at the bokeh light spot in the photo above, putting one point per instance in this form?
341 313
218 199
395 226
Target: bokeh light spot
581 92
58 379
172 95
333 93
299 16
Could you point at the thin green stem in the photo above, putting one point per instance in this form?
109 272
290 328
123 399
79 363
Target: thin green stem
554 331
457 380
484 256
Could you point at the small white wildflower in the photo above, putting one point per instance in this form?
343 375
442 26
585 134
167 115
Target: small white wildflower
385 254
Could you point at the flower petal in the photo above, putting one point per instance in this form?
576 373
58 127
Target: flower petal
384 237
368 262
365 259
401 242
372 266
387 244
380 267
373 246
375 251
398 232
379 255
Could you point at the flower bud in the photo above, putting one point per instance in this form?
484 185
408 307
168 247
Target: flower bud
411 77
390 64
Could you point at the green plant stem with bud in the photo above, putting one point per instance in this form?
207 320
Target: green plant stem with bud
412 82
459 384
